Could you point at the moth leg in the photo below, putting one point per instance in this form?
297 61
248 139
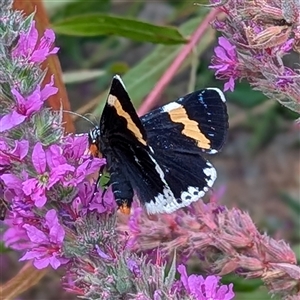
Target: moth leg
98 181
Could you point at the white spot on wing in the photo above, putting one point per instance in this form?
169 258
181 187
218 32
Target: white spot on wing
221 94
212 151
121 81
170 106
111 100
211 173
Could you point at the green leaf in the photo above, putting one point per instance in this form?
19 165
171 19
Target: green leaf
292 203
260 294
141 79
265 128
240 284
104 180
169 279
63 9
253 97
296 249
3 249
81 75
101 24
54 6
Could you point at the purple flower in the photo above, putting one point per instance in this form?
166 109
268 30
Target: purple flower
14 183
26 106
103 254
75 146
285 47
16 238
84 169
32 49
225 63
17 154
74 150
133 267
46 177
205 288
284 81
85 201
47 249
103 202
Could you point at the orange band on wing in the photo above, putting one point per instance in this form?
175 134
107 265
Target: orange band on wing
113 101
191 128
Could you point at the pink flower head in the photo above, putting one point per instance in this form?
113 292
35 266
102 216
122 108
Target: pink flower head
26 106
31 48
50 168
205 288
225 63
47 249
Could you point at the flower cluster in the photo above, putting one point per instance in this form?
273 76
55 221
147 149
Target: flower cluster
45 177
225 240
113 270
256 37
57 217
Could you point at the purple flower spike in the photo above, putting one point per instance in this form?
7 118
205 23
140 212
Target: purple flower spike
31 48
47 244
225 63
205 288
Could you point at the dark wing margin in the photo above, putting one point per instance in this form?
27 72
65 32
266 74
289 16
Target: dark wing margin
197 121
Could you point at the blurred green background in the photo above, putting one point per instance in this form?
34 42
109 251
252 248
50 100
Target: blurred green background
259 165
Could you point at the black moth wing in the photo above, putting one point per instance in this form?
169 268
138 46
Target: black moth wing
179 133
130 161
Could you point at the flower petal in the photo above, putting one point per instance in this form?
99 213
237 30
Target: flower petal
49 90
39 158
35 235
11 120
41 263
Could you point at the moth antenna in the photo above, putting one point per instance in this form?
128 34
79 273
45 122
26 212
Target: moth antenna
93 116
81 116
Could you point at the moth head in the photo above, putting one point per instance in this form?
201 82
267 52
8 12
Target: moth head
94 141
